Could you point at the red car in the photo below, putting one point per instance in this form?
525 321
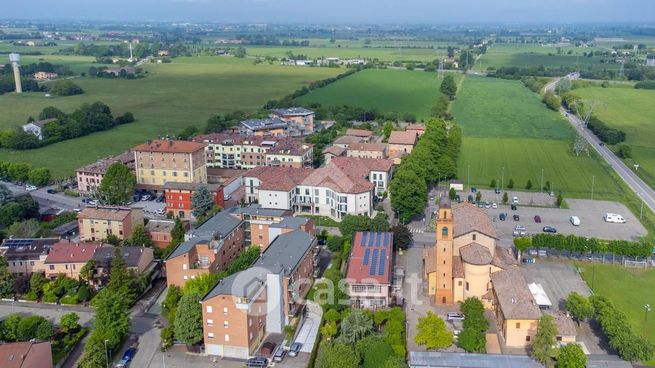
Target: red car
537 219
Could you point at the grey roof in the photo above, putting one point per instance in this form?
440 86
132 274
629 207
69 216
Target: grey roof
186 246
131 255
26 253
606 361
66 228
291 223
219 226
293 111
260 124
283 255
420 359
256 209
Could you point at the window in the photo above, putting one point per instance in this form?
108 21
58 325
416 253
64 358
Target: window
209 309
518 325
444 231
227 337
52 267
184 266
226 324
210 335
527 338
459 283
210 322
474 237
467 286
224 310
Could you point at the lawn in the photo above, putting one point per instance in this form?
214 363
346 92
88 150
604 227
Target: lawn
631 110
171 97
630 289
505 125
387 90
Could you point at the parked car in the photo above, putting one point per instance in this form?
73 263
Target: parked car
515 200
127 358
160 211
516 218
487 205
86 200
51 191
93 202
575 220
257 362
279 355
613 218
494 205
497 191
549 229
455 316
513 207
537 219
552 194
480 205
30 187
519 227
502 216
161 199
294 349
145 197
474 189
227 197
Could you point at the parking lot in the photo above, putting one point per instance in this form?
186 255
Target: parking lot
590 214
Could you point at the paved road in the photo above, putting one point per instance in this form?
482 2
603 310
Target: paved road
645 192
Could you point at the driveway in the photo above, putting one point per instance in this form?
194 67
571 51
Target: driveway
52 313
310 327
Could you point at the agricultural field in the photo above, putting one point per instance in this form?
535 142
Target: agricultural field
629 289
381 53
505 125
631 110
170 98
387 90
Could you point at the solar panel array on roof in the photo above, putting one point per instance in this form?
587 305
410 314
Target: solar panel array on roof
367 255
371 238
386 240
383 258
363 241
18 242
377 239
374 262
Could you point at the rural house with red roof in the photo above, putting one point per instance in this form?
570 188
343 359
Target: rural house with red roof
369 272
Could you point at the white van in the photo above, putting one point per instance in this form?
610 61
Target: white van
613 218
515 200
575 220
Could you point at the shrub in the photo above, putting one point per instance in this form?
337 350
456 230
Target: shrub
71 300
65 87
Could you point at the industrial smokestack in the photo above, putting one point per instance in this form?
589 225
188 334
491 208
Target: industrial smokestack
15 63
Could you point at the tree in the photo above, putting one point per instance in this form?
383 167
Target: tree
355 326
140 237
473 335
452 194
478 196
579 306
351 223
505 198
10 326
94 352
87 273
560 200
542 348
522 244
119 277
329 329
30 327
402 237
117 186
188 319
449 87
51 112
571 356
65 87
24 229
408 193
5 194
7 282
240 53
528 185
201 201
37 280
113 239
177 234
379 222
337 356
493 183
547 186
69 322
510 184
624 151
388 128
173 296
39 177
432 332
552 101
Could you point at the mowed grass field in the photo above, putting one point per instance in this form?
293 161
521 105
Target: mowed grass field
387 90
633 111
170 98
505 125
629 289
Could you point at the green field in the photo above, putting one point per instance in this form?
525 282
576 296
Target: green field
387 90
505 125
171 97
518 55
633 111
629 289
384 53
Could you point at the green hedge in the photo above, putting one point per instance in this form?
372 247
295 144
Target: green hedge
583 245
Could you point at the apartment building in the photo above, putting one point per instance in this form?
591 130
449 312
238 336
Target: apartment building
263 225
347 185
369 271
242 309
68 258
178 197
237 151
166 160
264 127
89 177
367 150
333 151
26 259
209 248
137 260
401 144
96 223
28 354
299 120
160 232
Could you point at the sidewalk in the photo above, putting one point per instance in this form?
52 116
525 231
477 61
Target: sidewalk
311 325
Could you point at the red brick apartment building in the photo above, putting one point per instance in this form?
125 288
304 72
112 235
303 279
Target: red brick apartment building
178 197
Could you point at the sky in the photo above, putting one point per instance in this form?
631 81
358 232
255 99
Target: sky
337 11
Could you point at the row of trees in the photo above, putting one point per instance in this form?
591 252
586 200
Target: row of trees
448 90
433 159
473 336
546 352
614 324
20 171
578 244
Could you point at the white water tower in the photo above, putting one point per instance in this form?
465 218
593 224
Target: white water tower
15 63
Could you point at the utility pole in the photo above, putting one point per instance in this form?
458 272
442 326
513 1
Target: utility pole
106 354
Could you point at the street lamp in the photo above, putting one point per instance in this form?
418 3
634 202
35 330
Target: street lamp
542 181
106 355
646 310
502 180
593 180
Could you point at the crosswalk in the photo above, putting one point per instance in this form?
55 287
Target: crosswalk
416 230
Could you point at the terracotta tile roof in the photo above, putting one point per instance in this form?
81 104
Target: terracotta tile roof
371 258
171 185
71 252
278 178
361 166
105 213
348 139
565 325
170 146
274 145
470 218
503 258
26 355
406 137
458 267
334 150
160 226
415 127
101 166
338 179
359 133
430 258
513 296
367 147
475 254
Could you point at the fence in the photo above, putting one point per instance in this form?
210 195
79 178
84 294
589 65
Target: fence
604 258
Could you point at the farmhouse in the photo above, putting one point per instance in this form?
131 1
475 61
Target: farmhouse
44 76
89 177
401 144
36 127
